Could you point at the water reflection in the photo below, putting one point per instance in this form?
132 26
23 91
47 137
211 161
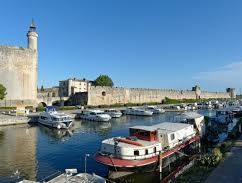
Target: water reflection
100 128
38 151
56 134
17 152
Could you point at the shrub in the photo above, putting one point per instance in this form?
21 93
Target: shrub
8 108
217 155
67 108
206 119
103 106
211 160
225 146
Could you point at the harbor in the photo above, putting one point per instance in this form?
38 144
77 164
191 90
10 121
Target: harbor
55 150
120 92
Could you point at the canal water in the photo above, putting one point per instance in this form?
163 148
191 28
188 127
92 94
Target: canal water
36 152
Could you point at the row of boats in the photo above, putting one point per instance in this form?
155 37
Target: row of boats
50 117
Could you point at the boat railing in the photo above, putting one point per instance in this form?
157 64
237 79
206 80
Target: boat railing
51 176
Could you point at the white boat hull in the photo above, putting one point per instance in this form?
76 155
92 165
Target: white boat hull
58 125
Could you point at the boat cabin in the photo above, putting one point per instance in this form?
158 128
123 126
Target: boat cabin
193 118
143 133
223 117
169 134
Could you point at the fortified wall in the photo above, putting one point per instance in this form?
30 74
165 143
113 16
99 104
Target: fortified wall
114 95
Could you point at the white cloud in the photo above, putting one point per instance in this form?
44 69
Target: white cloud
229 75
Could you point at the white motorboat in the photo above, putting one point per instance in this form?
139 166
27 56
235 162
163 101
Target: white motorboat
113 113
54 119
70 175
138 112
197 120
94 115
155 109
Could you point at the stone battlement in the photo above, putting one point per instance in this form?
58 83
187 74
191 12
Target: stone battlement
15 48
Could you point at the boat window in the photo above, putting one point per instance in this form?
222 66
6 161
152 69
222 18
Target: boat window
43 117
146 151
172 136
154 149
136 153
144 133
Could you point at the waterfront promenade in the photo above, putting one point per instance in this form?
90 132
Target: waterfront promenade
229 170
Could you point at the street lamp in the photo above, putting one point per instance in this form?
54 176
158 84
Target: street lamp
86 155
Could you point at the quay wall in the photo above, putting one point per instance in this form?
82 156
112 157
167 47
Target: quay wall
114 95
13 120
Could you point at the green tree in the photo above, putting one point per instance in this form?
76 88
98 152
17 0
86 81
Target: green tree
2 92
103 80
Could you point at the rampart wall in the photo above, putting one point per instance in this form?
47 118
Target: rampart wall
114 95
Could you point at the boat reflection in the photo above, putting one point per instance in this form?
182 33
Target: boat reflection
101 128
56 134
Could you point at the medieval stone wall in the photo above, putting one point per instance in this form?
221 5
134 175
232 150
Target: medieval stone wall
107 95
18 73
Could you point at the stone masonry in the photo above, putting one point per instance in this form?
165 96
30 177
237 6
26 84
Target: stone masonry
114 95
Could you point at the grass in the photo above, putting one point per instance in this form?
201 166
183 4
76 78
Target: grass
179 101
7 108
68 108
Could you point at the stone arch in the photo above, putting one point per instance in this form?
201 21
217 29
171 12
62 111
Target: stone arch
42 104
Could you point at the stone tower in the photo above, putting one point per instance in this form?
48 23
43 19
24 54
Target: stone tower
32 37
18 71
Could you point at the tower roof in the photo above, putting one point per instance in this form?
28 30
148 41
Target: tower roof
32 27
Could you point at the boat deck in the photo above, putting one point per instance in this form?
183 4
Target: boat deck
128 144
79 178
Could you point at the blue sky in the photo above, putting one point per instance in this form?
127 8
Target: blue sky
157 44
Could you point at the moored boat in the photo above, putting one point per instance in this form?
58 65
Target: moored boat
113 113
145 145
197 120
137 112
94 115
155 109
70 175
237 111
50 117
